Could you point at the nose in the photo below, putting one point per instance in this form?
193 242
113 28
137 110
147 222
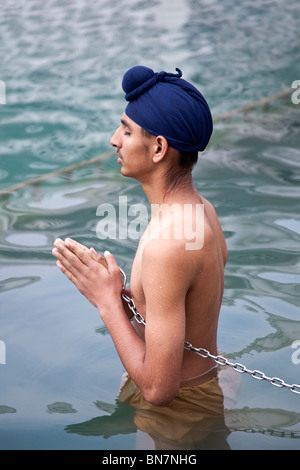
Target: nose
115 140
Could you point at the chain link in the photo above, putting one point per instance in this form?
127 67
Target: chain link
138 317
222 361
130 302
256 374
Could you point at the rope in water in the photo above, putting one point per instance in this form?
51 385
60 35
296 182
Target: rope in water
53 174
256 104
104 156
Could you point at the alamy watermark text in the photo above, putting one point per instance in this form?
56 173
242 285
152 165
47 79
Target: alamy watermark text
296 354
2 352
175 221
2 92
296 94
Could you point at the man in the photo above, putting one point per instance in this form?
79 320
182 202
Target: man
177 286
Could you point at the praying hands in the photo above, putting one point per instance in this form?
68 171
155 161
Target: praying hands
97 277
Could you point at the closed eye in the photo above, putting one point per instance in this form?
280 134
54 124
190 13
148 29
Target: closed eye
127 126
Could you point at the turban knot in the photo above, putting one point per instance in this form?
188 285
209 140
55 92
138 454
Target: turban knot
165 104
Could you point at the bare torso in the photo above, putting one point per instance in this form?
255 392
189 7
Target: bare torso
203 297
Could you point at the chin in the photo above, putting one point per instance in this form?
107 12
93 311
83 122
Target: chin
124 172
127 173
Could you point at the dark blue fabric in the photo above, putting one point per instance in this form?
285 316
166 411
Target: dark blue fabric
165 104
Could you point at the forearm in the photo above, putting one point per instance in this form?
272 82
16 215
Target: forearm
130 347
151 375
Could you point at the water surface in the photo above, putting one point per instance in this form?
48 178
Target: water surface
62 63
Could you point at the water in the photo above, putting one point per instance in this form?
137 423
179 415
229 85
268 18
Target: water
62 64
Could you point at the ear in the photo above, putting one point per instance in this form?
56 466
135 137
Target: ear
161 148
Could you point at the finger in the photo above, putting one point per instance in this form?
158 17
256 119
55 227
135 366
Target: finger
91 251
65 263
113 268
68 259
98 257
67 273
112 265
80 251
75 242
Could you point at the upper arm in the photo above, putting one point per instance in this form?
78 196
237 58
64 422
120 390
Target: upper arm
166 278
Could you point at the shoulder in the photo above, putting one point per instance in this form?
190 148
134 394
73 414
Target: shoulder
171 258
213 229
172 250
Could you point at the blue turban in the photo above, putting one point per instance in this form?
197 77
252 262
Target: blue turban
165 104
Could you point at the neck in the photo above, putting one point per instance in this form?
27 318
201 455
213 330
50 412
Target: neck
170 189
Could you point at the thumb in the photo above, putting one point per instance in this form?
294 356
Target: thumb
113 267
111 262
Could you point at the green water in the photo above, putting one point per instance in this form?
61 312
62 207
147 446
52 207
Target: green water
62 63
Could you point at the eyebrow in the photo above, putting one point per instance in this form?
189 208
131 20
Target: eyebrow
125 123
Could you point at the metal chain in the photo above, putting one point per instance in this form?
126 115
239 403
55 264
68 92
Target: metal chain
222 361
271 432
256 374
131 303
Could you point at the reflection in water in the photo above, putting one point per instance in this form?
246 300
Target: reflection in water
17 282
194 419
202 417
120 421
159 427
60 407
188 422
7 409
286 332
263 420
